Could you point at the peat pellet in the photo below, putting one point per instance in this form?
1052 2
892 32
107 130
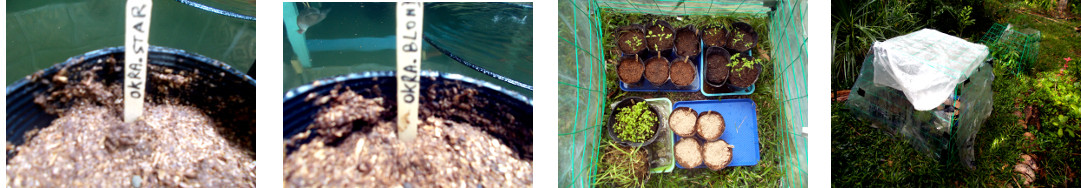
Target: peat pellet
689 153
710 125
682 121
717 154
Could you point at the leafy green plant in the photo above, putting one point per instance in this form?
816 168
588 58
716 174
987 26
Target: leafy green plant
963 16
736 63
1059 96
635 123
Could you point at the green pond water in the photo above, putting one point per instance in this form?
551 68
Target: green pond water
46 32
359 37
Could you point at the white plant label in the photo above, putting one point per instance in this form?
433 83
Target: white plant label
410 19
136 33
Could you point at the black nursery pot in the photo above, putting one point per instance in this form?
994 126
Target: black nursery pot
719 37
660 45
630 30
748 31
630 101
758 68
724 66
225 94
515 132
693 46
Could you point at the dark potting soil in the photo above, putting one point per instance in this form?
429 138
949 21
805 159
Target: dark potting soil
353 142
687 41
683 72
660 36
716 69
714 36
744 43
630 70
631 41
89 144
657 70
745 77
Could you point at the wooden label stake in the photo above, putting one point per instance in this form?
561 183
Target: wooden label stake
410 21
136 37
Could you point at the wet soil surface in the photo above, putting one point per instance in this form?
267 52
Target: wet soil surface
716 69
630 70
714 36
687 42
683 72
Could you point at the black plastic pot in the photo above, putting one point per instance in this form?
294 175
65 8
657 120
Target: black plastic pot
737 88
720 42
226 94
516 132
746 29
641 77
630 101
689 29
626 29
714 51
665 25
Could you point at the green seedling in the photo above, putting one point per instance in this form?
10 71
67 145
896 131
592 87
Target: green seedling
739 37
737 64
634 123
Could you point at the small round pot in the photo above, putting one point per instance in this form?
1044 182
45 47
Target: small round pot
675 76
699 126
691 45
630 101
656 71
627 33
720 67
655 35
628 74
748 31
715 36
732 84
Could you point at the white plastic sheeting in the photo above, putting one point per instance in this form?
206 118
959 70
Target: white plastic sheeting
926 65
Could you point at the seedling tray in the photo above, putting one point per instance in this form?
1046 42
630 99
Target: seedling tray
741 128
645 86
711 91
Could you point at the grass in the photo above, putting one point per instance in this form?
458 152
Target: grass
864 156
768 171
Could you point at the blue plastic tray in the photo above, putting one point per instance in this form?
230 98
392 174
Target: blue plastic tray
645 86
711 91
741 128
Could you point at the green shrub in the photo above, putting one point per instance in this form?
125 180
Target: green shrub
635 123
1058 96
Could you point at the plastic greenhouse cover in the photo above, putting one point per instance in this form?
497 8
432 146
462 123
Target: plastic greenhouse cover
935 133
926 65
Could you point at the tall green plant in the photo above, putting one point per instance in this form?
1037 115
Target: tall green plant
857 25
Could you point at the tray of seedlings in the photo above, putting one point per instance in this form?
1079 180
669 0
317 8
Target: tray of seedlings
656 57
730 67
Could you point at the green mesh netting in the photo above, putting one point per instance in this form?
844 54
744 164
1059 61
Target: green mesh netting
582 77
1014 49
